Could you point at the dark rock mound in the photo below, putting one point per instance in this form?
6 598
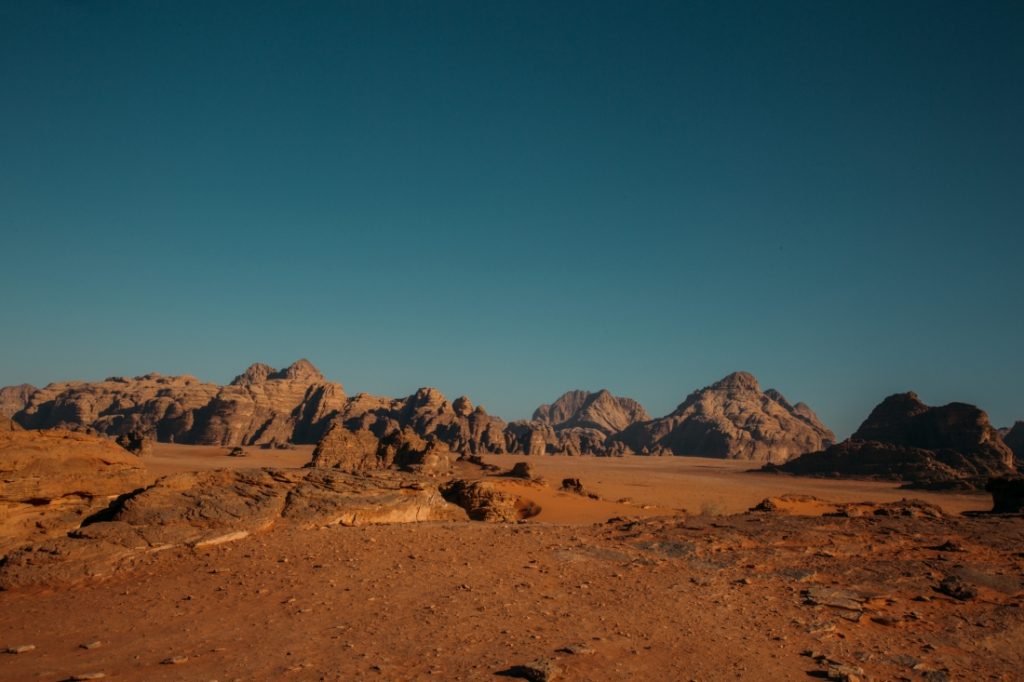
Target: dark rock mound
940 448
1007 494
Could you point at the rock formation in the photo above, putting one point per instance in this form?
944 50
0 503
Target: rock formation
578 423
50 481
14 398
731 419
952 446
601 411
427 413
486 500
204 508
1014 439
259 406
1007 494
360 451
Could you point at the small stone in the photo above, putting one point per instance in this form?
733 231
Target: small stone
81 677
578 650
845 673
91 645
538 671
174 660
21 648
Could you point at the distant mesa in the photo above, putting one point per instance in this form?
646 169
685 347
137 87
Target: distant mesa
731 419
948 447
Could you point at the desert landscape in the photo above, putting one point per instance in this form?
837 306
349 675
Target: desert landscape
422 537
556 341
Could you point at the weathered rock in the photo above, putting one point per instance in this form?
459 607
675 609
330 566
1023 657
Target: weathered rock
600 411
136 443
351 451
486 501
13 399
573 485
1007 494
543 670
9 425
732 419
204 508
50 481
521 470
356 451
260 405
948 447
1014 439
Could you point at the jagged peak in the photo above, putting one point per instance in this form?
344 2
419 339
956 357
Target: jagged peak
300 369
258 372
744 381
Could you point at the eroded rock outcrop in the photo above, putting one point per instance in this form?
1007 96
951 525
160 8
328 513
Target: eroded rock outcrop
261 405
731 419
50 481
1014 439
13 399
486 500
578 423
952 446
210 507
427 413
360 450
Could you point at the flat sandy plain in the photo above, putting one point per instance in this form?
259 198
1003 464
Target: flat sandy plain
656 594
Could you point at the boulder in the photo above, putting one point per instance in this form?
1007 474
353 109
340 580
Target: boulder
136 443
485 500
1007 494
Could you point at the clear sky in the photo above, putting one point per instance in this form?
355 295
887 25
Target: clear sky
513 199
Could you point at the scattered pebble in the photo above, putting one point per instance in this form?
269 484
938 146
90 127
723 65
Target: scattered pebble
174 660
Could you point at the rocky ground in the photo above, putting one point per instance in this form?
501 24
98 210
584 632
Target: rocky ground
588 589
753 596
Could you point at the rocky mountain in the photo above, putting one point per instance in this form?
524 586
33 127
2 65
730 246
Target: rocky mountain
952 446
297 404
427 413
578 423
262 405
14 398
731 419
601 411
1014 438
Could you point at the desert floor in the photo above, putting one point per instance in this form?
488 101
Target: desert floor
654 594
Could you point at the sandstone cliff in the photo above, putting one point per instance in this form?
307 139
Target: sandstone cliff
261 405
14 398
731 419
953 446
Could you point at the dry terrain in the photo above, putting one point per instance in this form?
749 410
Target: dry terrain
589 589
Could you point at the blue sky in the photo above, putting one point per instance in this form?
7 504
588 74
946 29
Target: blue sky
513 199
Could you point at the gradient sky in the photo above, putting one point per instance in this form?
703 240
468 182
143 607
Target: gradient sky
513 199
